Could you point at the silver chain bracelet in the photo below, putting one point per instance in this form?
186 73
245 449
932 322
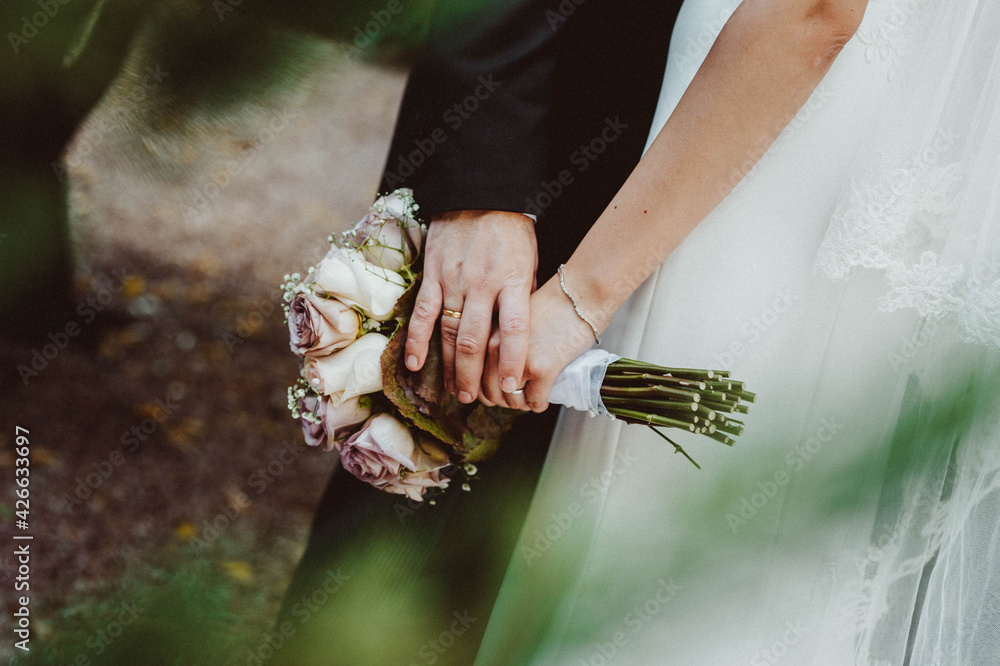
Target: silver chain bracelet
562 283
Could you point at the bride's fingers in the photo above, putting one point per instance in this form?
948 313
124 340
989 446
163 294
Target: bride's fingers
537 392
516 400
491 392
514 308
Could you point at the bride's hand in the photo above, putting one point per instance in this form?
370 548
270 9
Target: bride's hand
557 336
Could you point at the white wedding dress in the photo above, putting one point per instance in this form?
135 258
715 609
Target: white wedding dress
852 279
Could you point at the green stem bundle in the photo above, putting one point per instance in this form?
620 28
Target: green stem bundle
698 401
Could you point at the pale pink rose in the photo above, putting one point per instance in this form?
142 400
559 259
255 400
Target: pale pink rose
345 275
389 236
334 423
384 454
312 408
319 326
353 371
341 421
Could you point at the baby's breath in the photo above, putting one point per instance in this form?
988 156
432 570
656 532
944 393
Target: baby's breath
296 392
290 286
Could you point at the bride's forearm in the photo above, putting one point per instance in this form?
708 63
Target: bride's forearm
766 62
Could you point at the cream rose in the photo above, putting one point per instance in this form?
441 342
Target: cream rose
345 275
389 236
353 371
384 454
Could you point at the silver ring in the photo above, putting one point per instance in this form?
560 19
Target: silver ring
515 391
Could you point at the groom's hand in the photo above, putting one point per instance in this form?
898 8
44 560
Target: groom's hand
475 263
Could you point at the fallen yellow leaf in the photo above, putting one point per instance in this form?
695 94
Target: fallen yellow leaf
134 285
185 531
238 570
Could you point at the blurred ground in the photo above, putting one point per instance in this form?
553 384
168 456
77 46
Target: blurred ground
158 423
246 190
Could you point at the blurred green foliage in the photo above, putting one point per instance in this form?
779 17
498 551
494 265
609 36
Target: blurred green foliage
188 607
61 57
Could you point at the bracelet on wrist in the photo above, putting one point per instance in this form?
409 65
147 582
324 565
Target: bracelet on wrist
576 307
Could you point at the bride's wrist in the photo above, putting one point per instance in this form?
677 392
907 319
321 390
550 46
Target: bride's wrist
591 299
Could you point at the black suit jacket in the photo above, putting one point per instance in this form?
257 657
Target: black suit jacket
554 103
536 106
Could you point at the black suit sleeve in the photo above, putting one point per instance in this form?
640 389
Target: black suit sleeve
472 132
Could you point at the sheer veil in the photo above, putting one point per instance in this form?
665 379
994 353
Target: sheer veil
922 212
852 279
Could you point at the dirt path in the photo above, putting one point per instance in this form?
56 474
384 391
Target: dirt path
160 437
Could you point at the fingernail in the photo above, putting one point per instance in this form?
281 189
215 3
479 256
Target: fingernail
411 362
509 384
464 396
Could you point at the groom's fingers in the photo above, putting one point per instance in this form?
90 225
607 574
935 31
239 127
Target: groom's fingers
470 344
513 303
426 309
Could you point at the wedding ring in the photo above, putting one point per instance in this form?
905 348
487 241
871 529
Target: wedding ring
514 392
454 314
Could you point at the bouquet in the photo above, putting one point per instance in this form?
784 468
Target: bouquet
401 431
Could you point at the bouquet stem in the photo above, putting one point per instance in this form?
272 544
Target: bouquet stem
697 401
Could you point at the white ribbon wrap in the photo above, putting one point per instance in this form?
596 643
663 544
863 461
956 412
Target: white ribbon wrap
579 384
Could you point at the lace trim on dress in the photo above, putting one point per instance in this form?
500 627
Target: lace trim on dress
887 28
894 218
